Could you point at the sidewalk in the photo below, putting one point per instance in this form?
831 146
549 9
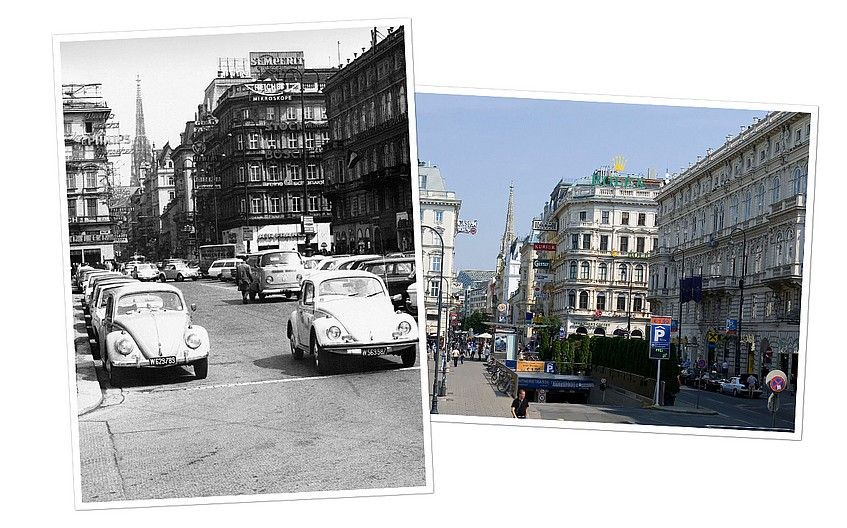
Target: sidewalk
88 390
469 393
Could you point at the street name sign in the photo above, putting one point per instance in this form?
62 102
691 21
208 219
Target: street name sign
541 225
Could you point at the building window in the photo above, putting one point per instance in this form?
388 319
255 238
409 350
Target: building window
273 172
435 263
642 219
624 244
255 205
253 141
760 198
240 173
434 289
308 112
69 152
269 113
748 204
603 272
797 137
639 273
293 172
295 203
639 244
601 301
274 205
604 242
799 181
583 216
622 272
71 180
574 241
291 112
621 303
604 217
89 128
572 270
310 140
762 155
583 300
90 179
239 142
242 205
314 203
571 299
245 114
171 196
292 140
69 128
636 304
254 173
311 172
586 241
624 218
439 217
584 270
775 195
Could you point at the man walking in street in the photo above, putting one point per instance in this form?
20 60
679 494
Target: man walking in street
455 355
244 278
520 405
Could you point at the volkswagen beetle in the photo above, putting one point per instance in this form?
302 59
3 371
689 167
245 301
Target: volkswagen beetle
349 312
149 326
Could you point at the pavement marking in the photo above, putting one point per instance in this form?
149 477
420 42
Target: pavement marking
228 288
262 382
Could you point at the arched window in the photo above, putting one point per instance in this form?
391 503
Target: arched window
601 301
622 272
571 299
715 213
775 195
799 181
603 272
583 300
583 270
572 270
639 273
748 204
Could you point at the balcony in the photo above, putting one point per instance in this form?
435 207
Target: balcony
793 204
787 275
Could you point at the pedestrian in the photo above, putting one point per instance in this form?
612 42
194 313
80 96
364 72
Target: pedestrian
456 356
751 384
462 356
725 368
244 278
487 352
520 405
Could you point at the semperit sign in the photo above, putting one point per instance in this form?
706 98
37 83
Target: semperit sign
275 62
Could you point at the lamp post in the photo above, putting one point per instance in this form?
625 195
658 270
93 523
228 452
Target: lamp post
681 277
434 406
629 303
741 293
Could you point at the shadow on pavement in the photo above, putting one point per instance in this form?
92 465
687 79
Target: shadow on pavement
267 300
148 378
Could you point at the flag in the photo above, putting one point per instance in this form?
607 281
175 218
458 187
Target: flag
352 158
684 290
697 289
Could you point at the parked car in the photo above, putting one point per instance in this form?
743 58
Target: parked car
75 280
343 313
397 273
223 269
349 262
149 326
275 271
412 299
145 272
92 281
737 386
709 381
98 309
178 272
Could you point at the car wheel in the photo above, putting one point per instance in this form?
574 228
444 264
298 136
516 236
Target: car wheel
324 361
162 278
296 352
262 296
408 356
252 296
201 368
735 392
194 278
95 350
287 295
179 277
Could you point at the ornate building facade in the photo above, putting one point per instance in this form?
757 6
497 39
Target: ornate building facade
737 217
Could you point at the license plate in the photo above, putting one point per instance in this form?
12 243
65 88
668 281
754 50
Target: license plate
163 361
375 351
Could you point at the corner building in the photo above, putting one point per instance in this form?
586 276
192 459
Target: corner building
367 162
739 213
606 227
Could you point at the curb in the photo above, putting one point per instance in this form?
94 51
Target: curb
681 410
86 371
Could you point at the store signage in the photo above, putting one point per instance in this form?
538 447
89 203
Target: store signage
275 62
279 236
308 224
541 225
97 237
612 177
541 263
543 278
544 246
530 366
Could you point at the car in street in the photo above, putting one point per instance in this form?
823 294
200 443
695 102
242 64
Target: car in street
349 313
313 263
737 386
91 282
275 271
412 299
223 269
397 273
149 326
145 272
178 271
353 260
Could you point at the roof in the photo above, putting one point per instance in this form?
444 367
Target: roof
320 276
141 287
266 251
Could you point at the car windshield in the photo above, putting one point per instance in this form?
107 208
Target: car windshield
135 303
350 287
311 264
145 267
280 259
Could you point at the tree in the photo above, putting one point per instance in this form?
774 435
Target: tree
476 322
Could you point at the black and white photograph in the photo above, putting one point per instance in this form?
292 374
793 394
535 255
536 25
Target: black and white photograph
667 242
241 254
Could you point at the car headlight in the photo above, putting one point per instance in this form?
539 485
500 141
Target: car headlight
193 340
124 345
333 332
270 279
404 328
299 277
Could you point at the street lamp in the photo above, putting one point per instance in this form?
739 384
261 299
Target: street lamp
434 405
741 292
681 276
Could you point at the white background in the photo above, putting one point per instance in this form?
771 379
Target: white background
769 52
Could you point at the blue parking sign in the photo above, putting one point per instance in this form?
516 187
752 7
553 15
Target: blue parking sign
660 336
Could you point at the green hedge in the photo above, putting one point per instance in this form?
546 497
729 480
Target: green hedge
633 355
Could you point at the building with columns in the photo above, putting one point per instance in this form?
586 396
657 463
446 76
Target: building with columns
605 227
439 209
737 218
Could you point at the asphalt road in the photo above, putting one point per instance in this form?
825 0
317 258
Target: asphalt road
261 422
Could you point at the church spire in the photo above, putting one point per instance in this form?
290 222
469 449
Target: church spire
141 154
509 232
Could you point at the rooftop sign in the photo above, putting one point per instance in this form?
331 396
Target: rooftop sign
274 62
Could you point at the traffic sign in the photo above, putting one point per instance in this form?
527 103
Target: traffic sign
561 332
701 363
501 307
732 326
777 381
549 367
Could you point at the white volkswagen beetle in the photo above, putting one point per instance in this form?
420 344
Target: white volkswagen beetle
149 326
342 313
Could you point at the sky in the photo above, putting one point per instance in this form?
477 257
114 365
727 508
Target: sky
482 144
175 71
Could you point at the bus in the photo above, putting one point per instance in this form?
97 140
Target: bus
213 252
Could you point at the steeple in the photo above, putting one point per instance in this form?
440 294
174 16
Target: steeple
141 153
509 232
